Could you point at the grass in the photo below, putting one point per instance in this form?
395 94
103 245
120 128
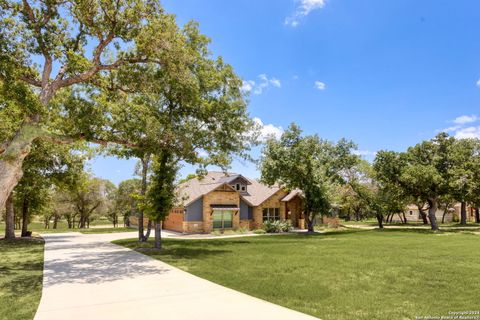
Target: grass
101 226
106 230
21 272
353 274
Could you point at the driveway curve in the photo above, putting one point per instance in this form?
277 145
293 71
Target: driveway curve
88 278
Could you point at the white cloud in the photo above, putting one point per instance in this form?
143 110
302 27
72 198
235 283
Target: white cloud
466 119
460 130
275 82
268 130
248 85
468 133
303 9
365 153
258 87
450 129
320 85
478 83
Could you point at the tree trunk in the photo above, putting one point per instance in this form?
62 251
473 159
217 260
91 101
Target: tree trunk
309 223
463 213
405 221
431 213
9 218
149 230
55 221
158 234
443 216
424 216
25 206
380 220
11 160
477 215
143 190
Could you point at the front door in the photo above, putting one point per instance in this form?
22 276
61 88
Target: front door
222 219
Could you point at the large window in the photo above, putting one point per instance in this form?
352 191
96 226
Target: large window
222 219
271 214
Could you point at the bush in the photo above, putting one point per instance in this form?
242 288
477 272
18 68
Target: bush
242 230
259 231
455 217
277 226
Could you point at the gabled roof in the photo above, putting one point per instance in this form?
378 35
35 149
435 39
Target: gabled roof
256 194
292 194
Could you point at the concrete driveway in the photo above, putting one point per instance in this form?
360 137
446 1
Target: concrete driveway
88 278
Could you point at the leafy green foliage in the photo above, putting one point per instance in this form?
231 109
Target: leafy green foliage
277 226
309 164
345 272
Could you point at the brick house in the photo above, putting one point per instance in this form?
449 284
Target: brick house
222 201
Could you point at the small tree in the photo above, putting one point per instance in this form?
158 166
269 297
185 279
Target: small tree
161 196
125 199
307 163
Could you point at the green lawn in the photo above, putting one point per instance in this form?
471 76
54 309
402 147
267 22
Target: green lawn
390 274
38 227
21 271
106 230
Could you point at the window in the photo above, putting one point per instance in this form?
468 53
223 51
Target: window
411 213
244 188
222 219
271 214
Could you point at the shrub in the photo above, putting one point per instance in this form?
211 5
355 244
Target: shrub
259 231
277 226
242 230
455 217
286 226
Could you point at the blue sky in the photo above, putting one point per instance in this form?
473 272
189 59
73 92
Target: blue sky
386 74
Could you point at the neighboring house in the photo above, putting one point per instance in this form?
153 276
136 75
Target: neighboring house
413 215
222 201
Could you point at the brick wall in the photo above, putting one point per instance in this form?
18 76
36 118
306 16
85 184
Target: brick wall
225 197
272 202
174 221
193 226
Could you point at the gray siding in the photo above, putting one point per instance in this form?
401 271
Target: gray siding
246 212
194 211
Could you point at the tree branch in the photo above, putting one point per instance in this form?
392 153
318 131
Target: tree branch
62 139
31 81
47 68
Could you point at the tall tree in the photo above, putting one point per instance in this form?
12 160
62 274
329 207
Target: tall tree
464 159
423 172
194 111
307 163
51 49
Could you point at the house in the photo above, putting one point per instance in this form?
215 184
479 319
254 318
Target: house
413 215
220 201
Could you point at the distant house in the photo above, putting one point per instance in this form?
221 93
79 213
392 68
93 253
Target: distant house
413 214
222 201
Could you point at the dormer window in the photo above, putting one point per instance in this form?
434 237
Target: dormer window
237 186
244 188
